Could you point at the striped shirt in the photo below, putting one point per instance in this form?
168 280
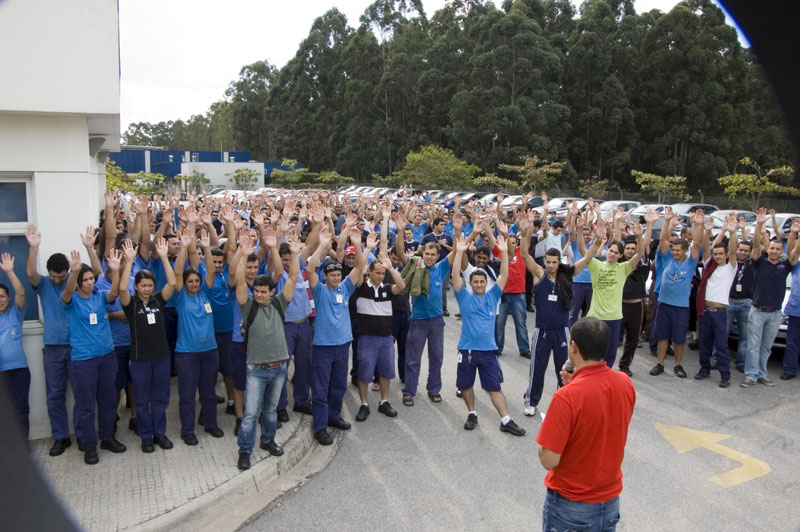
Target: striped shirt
374 309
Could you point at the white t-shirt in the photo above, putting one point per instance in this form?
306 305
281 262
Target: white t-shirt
718 287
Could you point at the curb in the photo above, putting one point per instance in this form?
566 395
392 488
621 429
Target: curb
228 506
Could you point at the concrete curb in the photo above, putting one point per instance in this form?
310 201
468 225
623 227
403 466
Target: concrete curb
231 504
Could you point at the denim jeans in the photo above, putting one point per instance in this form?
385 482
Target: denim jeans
562 515
262 392
762 330
515 304
739 312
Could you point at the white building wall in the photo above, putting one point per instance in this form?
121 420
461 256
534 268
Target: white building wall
218 172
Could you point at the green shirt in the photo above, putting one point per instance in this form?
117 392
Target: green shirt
608 280
267 339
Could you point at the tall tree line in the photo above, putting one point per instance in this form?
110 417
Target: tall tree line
599 87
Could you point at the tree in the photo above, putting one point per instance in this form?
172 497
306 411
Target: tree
672 185
250 113
758 183
116 178
293 176
148 183
594 187
437 167
332 178
535 173
243 178
194 182
493 182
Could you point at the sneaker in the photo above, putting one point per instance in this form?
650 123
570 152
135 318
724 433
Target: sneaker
692 346
189 439
148 446
740 367
90 456
283 415
244 461
387 410
237 426
725 381
626 371
746 383
459 394
113 445
530 411
472 420
765 381
302 409
784 377
363 413
59 446
679 372
323 437
230 410
526 354
163 442
446 314
219 398
272 448
702 374
512 428
215 431
658 369
458 315
339 423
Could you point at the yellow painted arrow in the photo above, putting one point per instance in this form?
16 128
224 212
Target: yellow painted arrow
684 440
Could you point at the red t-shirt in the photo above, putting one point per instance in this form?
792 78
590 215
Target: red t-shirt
516 273
587 424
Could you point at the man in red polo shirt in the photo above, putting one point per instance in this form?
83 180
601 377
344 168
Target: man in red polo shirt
583 436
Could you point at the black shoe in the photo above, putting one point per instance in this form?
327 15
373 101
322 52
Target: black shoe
163 442
512 428
113 445
784 377
725 381
189 439
530 308
387 410
230 410
132 425
658 369
472 420
457 315
363 413
740 368
692 346
339 423
59 446
459 394
670 352
702 374
238 426
303 409
147 445
526 354
283 415
626 371
272 448
713 365
323 437
244 461
215 431
679 372
446 314
220 399
90 455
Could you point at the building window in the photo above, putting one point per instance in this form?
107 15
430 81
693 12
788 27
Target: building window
16 212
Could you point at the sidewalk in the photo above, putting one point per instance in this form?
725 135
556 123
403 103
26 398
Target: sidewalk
134 488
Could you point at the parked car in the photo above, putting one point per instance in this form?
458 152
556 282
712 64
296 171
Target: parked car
749 217
641 210
512 201
684 210
560 203
616 204
488 199
784 220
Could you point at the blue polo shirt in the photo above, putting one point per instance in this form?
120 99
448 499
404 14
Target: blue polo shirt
793 305
56 321
299 306
676 280
236 315
86 339
419 231
478 315
332 326
11 354
426 307
584 276
221 302
157 269
120 330
195 321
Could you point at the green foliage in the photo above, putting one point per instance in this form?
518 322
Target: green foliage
663 186
211 131
493 182
294 176
141 183
755 185
594 187
244 178
534 173
148 183
435 167
196 181
332 177
116 178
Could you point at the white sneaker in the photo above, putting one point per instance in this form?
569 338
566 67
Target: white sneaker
530 410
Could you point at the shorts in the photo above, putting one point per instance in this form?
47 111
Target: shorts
239 365
672 323
375 352
224 346
483 361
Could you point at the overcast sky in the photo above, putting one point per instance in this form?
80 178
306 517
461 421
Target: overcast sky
178 56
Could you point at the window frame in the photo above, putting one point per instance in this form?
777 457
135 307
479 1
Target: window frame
18 229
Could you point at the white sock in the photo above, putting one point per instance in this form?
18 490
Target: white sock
364 404
230 402
505 419
383 401
472 412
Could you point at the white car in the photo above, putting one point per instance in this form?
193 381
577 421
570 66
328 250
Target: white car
607 206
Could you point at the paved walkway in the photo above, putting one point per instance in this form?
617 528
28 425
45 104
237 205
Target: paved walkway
132 488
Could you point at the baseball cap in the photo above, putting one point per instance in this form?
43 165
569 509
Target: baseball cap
349 250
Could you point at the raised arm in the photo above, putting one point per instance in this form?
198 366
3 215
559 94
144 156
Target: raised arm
142 210
88 240
129 255
733 244
761 217
461 246
357 274
599 236
794 252
669 225
109 221
242 295
525 225
114 260
650 218
503 277
7 265
186 240
294 268
313 261
637 230
270 241
75 265
34 241
775 225
698 220
401 222
205 243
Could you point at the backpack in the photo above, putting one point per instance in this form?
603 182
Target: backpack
251 317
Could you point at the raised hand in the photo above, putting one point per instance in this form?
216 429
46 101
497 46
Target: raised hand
502 228
401 222
523 223
501 243
795 226
129 251
113 259
730 224
761 215
109 196
187 237
246 244
709 223
7 262
601 229
318 214
651 216
372 240
462 245
34 238
226 214
89 237
324 237
637 229
167 215
258 217
385 261
295 246
270 239
205 217
205 240
698 217
191 216
75 262
161 246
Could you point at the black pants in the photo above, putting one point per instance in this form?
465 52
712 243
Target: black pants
400 324
632 314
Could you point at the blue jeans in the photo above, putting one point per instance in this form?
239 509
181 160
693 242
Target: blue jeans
262 392
763 328
515 304
420 331
739 312
562 515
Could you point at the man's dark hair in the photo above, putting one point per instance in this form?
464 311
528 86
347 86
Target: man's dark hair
748 243
553 252
682 242
4 288
558 223
216 252
437 221
264 280
252 258
720 245
483 250
479 272
284 249
57 263
591 335
630 239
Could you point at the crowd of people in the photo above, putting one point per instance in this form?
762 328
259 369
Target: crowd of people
242 287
